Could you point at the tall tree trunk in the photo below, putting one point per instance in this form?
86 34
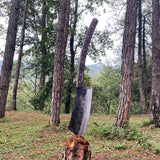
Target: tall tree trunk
61 42
155 91
72 52
14 95
125 99
144 61
8 55
43 52
140 68
43 47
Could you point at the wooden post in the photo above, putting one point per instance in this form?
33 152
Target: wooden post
76 148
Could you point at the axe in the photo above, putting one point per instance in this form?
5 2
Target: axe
83 97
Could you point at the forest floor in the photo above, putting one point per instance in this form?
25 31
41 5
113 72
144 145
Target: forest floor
28 135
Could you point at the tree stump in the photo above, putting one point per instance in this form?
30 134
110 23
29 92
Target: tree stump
76 148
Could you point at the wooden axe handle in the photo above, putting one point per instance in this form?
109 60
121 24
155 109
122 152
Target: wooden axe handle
84 50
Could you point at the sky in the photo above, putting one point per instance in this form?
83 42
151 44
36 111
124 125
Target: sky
104 23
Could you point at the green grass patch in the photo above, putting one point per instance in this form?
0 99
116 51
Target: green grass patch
157 150
120 146
110 132
28 135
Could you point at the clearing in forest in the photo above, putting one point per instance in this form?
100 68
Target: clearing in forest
27 135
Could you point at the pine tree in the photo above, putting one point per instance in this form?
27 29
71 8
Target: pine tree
155 91
14 95
125 99
61 42
8 55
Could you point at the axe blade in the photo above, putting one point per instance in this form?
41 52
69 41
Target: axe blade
81 111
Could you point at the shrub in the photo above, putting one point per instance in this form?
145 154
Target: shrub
110 132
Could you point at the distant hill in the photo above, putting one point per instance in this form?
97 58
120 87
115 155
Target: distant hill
93 68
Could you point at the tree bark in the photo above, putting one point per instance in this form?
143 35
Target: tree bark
8 55
43 54
43 47
72 52
155 91
14 95
61 42
140 66
125 99
144 61
76 148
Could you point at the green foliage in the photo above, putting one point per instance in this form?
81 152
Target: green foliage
103 131
66 84
24 94
147 123
97 49
100 40
157 150
37 60
42 96
105 86
39 63
106 91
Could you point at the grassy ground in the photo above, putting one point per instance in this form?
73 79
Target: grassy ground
27 135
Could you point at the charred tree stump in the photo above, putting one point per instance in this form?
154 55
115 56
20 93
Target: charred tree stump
76 148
